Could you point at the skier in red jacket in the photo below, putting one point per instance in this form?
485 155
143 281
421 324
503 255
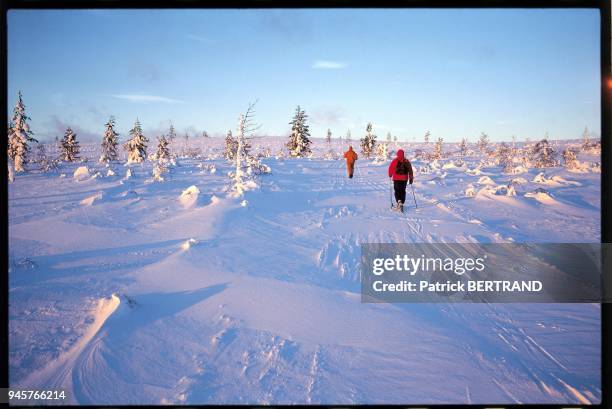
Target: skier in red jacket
400 170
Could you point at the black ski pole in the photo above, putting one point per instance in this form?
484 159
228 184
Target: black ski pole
391 192
414 196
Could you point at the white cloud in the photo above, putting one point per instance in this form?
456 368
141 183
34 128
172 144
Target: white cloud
328 65
146 98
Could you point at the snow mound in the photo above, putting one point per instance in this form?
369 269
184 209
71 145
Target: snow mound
130 194
244 203
518 169
543 180
128 173
187 244
214 200
189 197
470 191
579 167
488 190
206 167
506 190
242 187
541 195
518 181
81 173
110 172
476 171
485 180
88 201
449 165
561 180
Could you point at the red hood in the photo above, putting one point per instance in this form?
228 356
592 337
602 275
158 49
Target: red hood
400 154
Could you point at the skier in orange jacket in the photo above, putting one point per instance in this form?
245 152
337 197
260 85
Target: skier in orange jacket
351 157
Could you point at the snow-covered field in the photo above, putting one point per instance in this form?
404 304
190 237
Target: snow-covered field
126 290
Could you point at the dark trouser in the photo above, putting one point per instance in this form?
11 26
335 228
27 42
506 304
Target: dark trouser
400 190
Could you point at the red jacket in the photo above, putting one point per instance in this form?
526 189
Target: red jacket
392 174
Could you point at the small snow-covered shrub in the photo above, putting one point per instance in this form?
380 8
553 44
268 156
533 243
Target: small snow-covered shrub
507 190
470 191
569 158
485 180
189 197
81 173
518 181
159 170
544 155
382 153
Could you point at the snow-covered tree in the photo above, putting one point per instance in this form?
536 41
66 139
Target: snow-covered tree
299 142
395 138
186 147
544 154
163 152
11 170
136 147
162 157
9 133
388 136
504 157
463 147
40 156
569 158
231 145
585 138
70 146
40 153
483 142
348 137
19 136
247 166
171 133
330 152
368 142
426 137
382 152
109 142
437 153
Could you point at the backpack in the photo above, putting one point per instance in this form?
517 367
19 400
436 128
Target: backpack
402 167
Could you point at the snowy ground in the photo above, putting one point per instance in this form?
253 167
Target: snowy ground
122 293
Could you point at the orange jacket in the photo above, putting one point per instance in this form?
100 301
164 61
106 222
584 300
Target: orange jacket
350 155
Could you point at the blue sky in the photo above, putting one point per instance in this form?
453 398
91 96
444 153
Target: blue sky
454 72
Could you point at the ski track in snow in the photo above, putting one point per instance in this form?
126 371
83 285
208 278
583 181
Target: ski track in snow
263 305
